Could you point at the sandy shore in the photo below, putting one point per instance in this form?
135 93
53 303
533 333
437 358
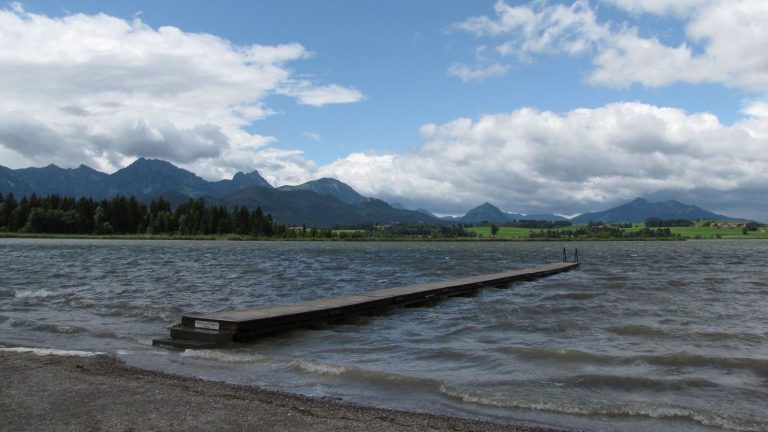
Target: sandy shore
99 393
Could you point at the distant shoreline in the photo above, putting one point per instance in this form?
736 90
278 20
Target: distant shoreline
65 392
236 238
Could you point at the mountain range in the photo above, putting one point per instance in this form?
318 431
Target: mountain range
144 179
323 203
640 209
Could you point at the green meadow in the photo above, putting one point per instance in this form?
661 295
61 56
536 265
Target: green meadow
509 233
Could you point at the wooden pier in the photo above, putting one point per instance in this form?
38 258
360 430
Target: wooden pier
223 328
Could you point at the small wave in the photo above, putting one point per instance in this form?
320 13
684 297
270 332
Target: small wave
52 351
131 310
635 410
572 296
318 368
57 328
636 330
723 336
223 355
759 366
627 382
560 355
648 331
43 293
45 327
377 379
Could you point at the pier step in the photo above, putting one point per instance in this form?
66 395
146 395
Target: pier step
199 334
185 344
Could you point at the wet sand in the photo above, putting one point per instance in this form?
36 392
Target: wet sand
99 393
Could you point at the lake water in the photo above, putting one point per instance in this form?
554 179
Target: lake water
662 336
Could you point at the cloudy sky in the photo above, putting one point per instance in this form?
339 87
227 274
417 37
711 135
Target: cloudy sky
535 106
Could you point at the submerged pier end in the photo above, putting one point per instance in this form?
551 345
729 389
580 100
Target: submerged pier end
223 328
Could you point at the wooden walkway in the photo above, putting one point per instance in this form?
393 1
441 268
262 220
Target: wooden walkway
222 328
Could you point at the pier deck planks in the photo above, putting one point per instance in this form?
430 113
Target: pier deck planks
221 328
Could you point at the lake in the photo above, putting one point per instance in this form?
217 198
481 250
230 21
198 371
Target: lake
660 336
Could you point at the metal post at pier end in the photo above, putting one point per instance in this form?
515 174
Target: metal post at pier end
576 253
565 256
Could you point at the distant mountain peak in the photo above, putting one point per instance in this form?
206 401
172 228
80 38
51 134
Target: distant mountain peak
485 212
253 177
151 163
240 181
332 187
640 209
328 180
487 206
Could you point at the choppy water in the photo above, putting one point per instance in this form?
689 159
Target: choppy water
646 336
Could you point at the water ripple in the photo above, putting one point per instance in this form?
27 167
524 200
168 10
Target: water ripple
646 336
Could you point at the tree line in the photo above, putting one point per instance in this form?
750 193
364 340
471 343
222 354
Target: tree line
120 215
405 230
598 231
663 223
54 214
537 224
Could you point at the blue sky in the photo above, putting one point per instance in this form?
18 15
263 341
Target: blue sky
541 106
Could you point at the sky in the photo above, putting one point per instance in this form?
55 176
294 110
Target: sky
536 106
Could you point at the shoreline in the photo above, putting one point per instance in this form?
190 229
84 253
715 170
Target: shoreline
99 392
235 239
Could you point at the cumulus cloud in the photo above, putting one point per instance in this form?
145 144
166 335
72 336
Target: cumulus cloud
31 139
104 90
731 35
660 7
539 28
532 161
477 73
308 94
757 109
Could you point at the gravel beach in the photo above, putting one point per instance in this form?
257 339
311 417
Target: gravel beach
99 393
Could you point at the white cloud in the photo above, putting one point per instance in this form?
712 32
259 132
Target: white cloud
540 29
477 73
102 90
628 57
757 109
531 161
314 136
731 33
660 7
308 94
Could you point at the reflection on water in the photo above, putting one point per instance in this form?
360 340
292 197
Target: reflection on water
646 336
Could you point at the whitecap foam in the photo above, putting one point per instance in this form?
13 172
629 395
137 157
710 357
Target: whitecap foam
52 351
631 410
225 356
43 293
323 369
